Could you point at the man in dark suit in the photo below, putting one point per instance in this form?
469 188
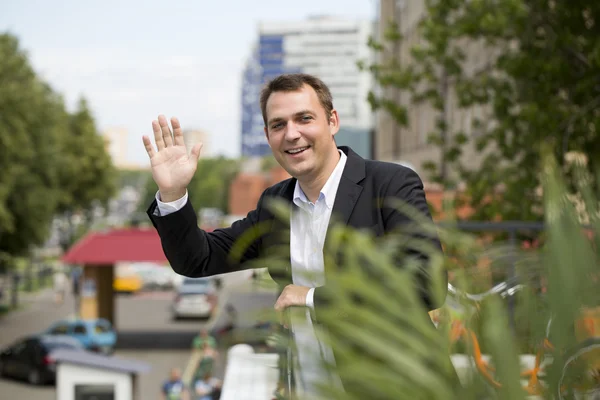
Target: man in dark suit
327 183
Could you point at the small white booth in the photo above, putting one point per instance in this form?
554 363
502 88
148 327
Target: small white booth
82 375
250 375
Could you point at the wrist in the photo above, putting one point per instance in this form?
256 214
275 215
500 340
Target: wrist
169 196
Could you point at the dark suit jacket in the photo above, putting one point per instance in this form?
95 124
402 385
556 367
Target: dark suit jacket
195 253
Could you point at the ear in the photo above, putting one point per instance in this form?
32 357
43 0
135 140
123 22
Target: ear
334 122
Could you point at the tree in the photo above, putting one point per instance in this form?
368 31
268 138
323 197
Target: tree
147 196
134 178
210 186
540 84
88 178
32 119
51 161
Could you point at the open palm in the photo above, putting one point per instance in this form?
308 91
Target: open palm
172 168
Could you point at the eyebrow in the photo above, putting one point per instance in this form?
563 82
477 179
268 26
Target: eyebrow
299 113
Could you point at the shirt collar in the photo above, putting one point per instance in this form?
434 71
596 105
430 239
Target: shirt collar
329 189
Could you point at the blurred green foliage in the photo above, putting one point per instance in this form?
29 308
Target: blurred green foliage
382 335
527 71
53 162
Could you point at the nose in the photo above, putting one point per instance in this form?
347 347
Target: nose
291 132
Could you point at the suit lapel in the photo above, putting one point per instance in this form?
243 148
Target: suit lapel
347 195
349 188
345 200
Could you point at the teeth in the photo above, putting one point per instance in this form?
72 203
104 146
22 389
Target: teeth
297 150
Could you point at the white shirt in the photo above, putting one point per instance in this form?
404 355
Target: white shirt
308 228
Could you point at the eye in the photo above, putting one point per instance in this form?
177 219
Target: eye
306 118
276 126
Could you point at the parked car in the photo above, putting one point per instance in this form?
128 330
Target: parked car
29 358
195 298
95 335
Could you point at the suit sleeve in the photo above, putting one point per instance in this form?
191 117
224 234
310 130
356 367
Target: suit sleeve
407 187
194 252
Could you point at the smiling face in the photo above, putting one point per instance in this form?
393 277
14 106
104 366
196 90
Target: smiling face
300 134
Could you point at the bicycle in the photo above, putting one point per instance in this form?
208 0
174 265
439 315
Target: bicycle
586 350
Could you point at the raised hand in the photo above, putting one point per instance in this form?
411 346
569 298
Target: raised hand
172 168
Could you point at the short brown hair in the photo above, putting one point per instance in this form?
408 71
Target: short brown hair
292 83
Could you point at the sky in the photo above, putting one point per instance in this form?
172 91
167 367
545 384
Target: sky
135 59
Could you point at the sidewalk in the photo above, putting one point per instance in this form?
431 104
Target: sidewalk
24 298
35 313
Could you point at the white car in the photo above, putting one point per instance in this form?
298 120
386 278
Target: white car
195 298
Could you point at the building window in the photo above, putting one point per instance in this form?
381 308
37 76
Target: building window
95 392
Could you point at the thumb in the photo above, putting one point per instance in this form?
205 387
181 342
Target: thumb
196 151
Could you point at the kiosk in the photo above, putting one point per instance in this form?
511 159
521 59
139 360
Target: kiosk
83 375
97 253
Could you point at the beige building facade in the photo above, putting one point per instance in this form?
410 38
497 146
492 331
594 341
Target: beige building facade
116 141
408 145
193 137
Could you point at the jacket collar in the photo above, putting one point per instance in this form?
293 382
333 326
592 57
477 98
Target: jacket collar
354 172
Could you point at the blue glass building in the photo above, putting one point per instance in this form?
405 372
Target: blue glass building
325 46
266 63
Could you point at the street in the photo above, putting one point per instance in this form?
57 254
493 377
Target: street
146 333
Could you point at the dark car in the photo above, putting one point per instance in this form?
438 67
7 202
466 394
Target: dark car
28 358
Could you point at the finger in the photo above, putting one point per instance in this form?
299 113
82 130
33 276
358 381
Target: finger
196 151
148 146
177 132
282 319
278 306
160 143
281 303
166 131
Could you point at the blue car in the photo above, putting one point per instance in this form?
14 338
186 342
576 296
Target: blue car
94 334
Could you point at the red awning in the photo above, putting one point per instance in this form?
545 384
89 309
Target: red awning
117 245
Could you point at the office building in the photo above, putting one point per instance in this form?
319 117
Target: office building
408 145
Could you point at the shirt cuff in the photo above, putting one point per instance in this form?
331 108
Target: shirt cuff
310 296
172 206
